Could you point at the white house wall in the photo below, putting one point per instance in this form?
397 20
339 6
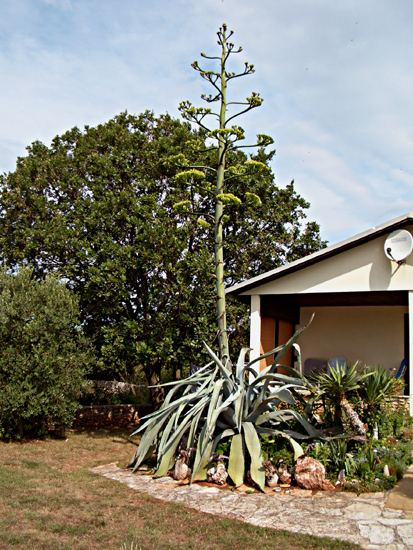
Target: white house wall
371 334
360 269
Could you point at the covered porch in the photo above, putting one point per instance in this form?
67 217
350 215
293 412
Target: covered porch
362 301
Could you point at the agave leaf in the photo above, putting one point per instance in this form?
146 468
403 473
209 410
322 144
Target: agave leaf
168 453
201 448
306 403
261 382
229 416
200 393
287 379
236 463
216 399
204 379
285 415
167 462
152 428
266 431
222 409
165 410
254 448
157 415
150 419
240 370
190 379
200 472
167 459
169 442
263 356
174 419
214 418
282 394
306 425
268 416
298 356
298 451
147 441
194 427
262 406
149 454
165 435
293 373
239 409
226 433
297 435
283 351
222 368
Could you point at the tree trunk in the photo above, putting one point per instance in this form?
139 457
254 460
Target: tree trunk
353 417
153 375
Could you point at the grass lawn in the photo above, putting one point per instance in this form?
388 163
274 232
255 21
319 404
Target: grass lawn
49 500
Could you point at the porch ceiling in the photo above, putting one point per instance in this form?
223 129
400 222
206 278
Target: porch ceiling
334 299
287 306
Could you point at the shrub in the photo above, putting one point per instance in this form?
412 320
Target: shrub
43 355
101 392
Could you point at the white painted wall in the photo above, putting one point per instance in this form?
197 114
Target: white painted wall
255 330
361 269
372 334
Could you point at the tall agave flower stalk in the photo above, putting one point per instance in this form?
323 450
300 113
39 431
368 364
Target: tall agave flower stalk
218 403
209 181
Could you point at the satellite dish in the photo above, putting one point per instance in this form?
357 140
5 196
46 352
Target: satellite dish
398 245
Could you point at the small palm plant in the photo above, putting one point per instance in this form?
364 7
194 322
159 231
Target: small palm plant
218 403
337 384
379 386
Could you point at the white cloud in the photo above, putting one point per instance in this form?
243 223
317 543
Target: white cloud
336 78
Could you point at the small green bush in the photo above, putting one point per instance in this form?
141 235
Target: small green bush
43 355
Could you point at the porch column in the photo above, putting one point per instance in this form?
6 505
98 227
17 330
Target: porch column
411 352
255 329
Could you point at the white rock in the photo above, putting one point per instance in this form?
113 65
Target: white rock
377 534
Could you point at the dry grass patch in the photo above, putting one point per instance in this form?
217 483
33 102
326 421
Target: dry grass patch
50 500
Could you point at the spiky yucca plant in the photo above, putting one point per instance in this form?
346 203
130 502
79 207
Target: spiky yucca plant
337 384
218 403
379 386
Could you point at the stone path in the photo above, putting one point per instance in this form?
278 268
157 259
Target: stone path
364 520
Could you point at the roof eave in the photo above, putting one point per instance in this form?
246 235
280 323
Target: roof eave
323 254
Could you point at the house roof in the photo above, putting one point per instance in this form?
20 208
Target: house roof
321 255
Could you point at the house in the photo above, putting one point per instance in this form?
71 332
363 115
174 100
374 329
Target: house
361 297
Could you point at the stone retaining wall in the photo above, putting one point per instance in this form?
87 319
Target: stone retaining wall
106 416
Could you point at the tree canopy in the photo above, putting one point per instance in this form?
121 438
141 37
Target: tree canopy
44 357
96 208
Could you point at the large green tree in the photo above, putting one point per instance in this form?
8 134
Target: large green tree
44 356
97 209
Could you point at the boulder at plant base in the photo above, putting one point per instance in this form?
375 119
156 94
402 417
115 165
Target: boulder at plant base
218 474
311 474
285 477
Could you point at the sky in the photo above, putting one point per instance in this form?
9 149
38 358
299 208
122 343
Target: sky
336 78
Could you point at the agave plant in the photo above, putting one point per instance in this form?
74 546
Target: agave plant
222 401
338 383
